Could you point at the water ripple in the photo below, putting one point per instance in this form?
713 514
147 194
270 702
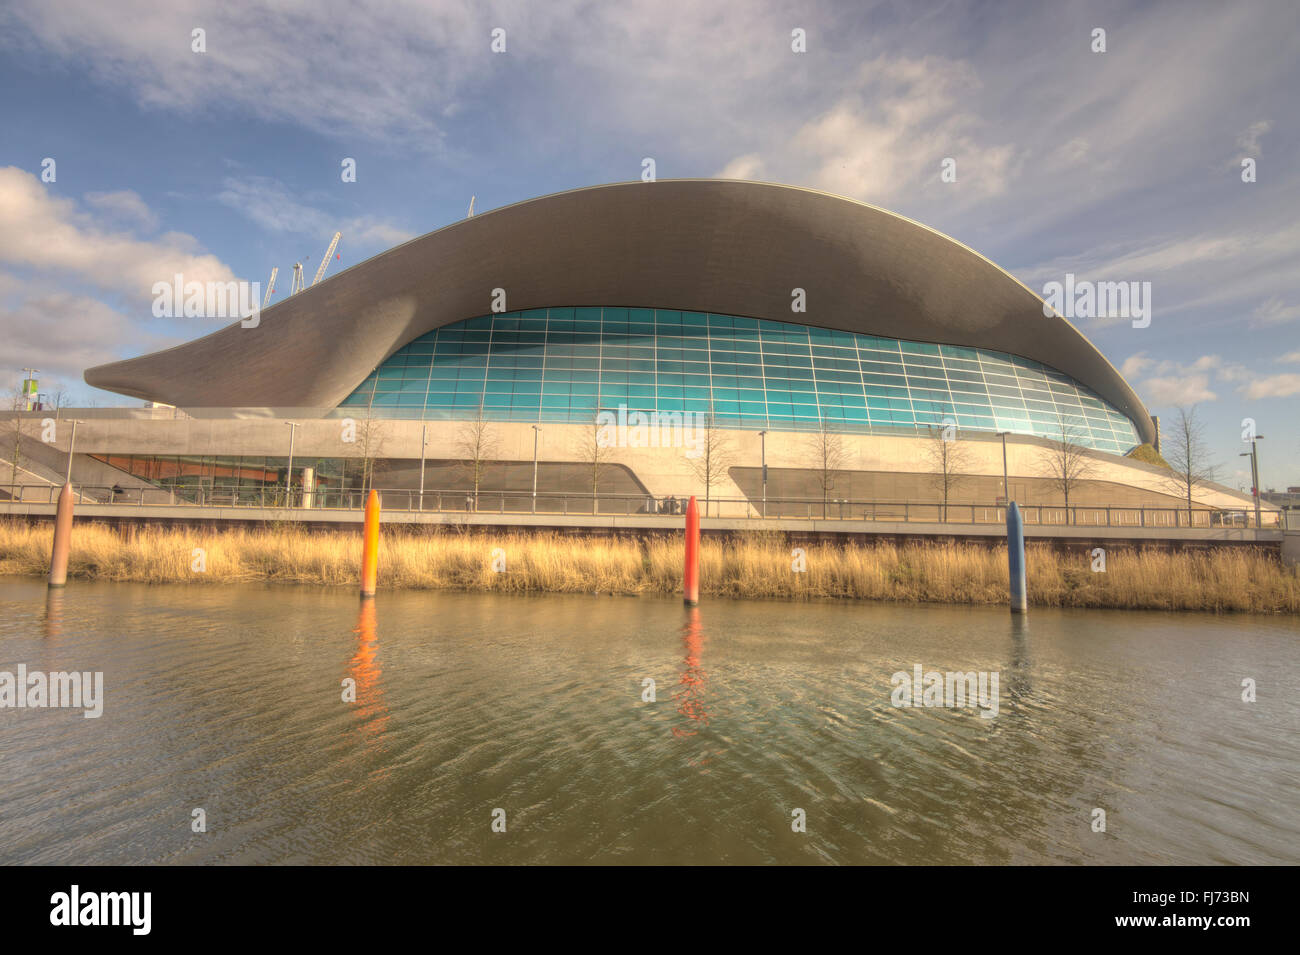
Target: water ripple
231 700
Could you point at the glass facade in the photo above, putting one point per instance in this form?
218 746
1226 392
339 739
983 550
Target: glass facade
233 479
565 364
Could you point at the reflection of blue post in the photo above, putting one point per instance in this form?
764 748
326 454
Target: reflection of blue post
1016 558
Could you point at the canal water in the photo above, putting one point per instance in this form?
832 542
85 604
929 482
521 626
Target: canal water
533 714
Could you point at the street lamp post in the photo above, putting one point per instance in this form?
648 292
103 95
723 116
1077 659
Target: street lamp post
288 474
1253 454
536 431
1006 490
424 442
762 436
72 441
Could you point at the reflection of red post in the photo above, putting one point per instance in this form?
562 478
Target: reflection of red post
690 698
370 546
691 576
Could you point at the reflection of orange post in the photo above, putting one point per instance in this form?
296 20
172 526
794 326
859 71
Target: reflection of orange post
364 669
691 576
62 538
370 547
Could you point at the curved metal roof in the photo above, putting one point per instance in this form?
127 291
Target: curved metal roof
726 246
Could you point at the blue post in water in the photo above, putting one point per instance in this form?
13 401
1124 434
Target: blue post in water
1016 559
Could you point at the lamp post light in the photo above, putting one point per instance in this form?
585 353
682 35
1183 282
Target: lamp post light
424 443
1253 454
288 474
762 436
72 441
536 431
1006 490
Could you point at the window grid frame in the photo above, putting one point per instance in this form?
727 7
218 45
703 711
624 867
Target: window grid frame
901 377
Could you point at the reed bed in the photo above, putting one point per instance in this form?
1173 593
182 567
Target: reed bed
759 565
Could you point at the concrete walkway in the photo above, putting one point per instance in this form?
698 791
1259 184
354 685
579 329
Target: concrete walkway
635 523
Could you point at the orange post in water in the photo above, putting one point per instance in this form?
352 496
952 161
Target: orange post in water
691 576
370 546
62 539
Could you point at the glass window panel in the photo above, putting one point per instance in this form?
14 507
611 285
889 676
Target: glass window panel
759 369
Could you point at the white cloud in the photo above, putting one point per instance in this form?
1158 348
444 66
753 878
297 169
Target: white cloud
1249 139
1188 383
62 247
1180 390
1273 386
1223 271
1137 364
269 203
124 206
329 65
1146 260
63 333
887 134
54 236
1175 382
749 166
1134 365
1274 311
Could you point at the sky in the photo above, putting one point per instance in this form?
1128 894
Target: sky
1122 165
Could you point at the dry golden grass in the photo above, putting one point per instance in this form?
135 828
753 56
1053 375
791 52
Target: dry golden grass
754 566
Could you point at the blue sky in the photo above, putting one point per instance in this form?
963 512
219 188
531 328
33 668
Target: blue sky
1116 166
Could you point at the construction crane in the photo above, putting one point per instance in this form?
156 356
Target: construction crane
270 286
297 286
471 207
329 254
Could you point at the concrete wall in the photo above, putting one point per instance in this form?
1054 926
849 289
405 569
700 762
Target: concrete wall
41 463
885 467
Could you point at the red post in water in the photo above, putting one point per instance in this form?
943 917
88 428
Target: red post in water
62 539
370 546
691 576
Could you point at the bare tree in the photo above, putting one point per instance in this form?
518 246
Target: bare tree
826 448
1188 456
15 452
949 460
594 451
17 402
369 435
1068 461
713 456
476 445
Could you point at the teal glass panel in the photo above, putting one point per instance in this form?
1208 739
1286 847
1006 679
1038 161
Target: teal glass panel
560 364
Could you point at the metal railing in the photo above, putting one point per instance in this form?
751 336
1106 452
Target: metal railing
278 498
